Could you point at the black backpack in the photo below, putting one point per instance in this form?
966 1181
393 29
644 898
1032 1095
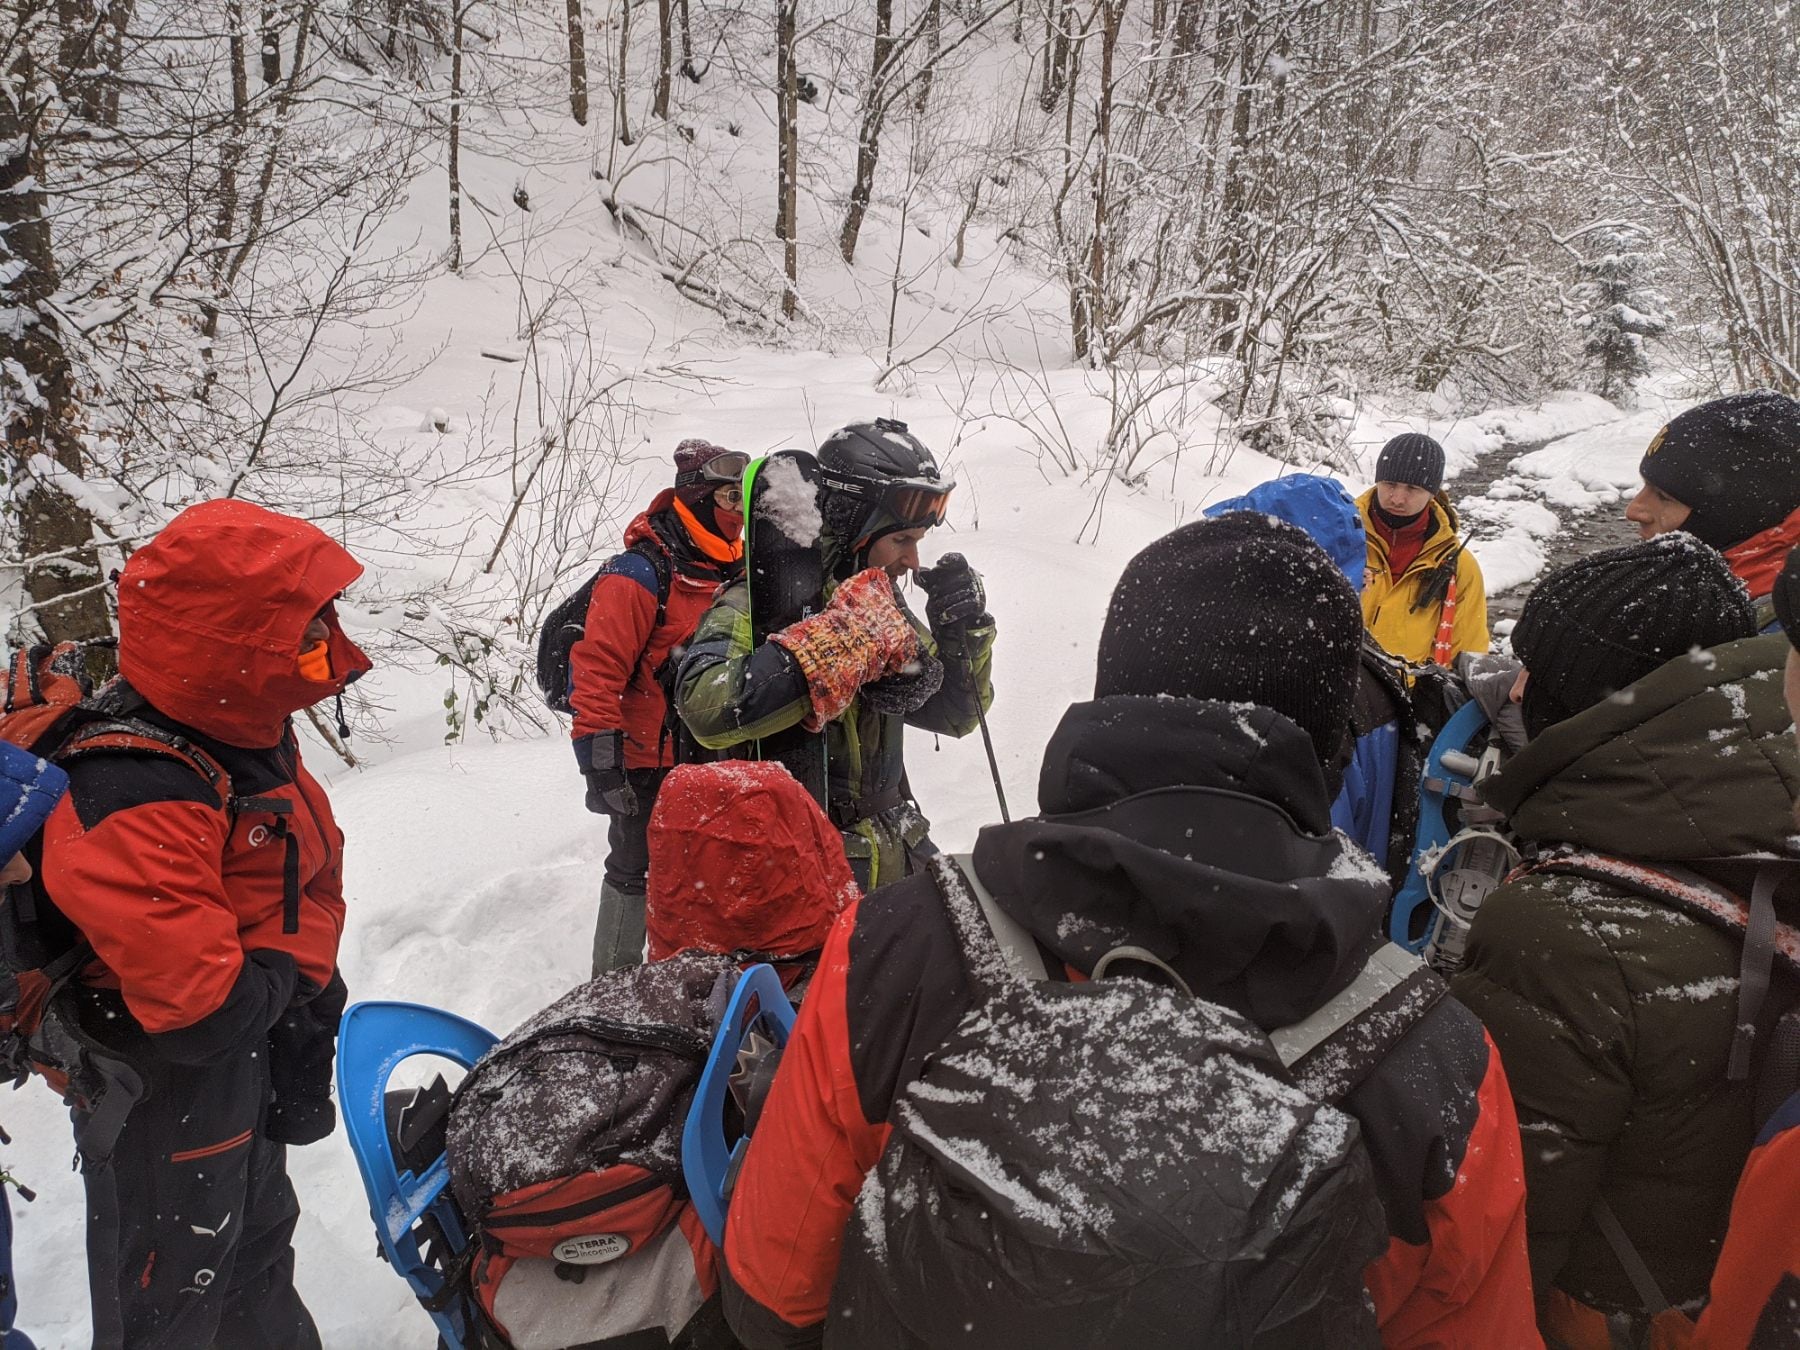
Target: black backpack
1115 1163
565 624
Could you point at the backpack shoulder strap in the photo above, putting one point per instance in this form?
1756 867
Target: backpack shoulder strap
115 735
1339 1043
995 945
658 558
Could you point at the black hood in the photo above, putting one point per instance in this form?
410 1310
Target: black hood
1200 831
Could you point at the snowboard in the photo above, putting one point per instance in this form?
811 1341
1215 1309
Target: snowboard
783 564
784 568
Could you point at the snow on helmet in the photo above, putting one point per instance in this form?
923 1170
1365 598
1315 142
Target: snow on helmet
875 478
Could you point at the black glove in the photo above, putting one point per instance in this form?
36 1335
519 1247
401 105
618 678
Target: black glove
609 791
953 593
302 1046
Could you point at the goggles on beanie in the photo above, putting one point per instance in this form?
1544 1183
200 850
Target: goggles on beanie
722 470
914 503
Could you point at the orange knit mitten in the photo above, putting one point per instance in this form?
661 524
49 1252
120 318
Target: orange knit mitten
860 636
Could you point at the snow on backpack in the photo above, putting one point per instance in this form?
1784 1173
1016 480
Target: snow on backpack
564 1147
1117 1163
52 709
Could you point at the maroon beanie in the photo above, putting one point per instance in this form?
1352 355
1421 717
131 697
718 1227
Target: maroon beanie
691 456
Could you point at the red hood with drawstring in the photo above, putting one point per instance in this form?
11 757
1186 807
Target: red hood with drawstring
212 903
742 859
1758 560
212 613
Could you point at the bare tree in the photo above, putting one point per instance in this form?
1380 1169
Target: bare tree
787 136
578 82
665 56
38 392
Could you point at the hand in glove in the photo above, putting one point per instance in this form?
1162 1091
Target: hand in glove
609 791
861 635
302 1046
953 593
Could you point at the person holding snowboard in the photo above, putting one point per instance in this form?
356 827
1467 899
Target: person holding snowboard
1728 473
644 607
1423 598
830 692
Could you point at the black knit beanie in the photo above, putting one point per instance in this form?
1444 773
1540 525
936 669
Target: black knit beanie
1412 458
1786 596
1734 462
1608 620
1243 608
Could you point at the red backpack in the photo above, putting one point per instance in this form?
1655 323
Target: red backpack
53 710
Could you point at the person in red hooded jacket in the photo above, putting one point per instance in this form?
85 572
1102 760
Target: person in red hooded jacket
207 876
646 604
744 863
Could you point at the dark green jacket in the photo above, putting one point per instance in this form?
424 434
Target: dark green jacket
736 693
1614 1013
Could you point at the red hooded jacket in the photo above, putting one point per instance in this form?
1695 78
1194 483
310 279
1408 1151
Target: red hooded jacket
614 664
1758 560
742 859
188 892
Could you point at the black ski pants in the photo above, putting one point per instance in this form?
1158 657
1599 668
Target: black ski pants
628 837
191 1214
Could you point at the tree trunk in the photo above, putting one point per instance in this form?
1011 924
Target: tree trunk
787 187
621 109
934 39
665 57
231 156
56 532
455 259
1058 27
1234 197
868 138
284 101
1099 311
688 68
271 46
578 105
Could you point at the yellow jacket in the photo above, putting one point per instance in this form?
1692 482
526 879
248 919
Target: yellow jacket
1387 600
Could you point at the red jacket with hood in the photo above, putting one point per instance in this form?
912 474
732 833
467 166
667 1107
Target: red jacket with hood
742 859
185 889
614 664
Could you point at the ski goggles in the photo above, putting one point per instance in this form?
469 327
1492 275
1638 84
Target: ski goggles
916 503
722 470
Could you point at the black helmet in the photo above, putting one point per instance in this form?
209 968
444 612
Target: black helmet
875 478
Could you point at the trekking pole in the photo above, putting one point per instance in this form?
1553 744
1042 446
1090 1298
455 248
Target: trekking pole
987 739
